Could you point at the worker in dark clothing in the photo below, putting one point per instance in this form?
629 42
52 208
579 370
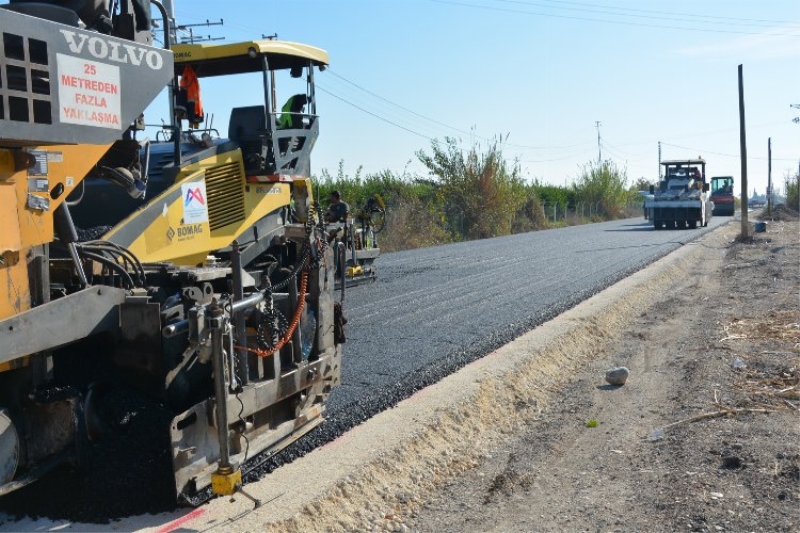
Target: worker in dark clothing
336 214
338 210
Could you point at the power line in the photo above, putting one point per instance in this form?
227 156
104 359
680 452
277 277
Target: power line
374 107
430 139
398 105
700 150
572 156
649 14
707 133
621 22
600 143
409 130
442 124
620 154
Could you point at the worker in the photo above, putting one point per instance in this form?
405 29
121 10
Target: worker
292 112
190 90
338 210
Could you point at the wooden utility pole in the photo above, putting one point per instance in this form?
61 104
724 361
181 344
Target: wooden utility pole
769 176
743 154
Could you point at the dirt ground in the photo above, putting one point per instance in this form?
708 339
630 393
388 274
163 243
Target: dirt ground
704 436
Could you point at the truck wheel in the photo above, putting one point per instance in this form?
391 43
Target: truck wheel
692 224
681 224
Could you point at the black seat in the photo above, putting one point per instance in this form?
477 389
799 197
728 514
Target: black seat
248 128
247 123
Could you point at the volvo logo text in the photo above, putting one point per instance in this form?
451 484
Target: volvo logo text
107 49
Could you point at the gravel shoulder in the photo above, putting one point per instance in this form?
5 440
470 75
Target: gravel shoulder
704 436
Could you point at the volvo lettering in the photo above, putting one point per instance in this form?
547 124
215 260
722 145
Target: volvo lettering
115 51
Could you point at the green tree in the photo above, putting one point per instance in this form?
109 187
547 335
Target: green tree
480 190
604 184
793 191
642 184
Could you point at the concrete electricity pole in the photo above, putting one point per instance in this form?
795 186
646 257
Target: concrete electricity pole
769 175
743 155
599 154
659 162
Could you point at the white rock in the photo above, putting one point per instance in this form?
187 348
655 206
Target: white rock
617 375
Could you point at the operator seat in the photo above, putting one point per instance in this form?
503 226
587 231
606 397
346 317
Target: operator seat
248 128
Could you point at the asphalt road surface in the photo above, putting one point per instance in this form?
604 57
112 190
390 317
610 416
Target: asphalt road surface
433 310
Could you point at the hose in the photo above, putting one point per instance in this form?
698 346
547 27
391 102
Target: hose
301 304
112 265
125 252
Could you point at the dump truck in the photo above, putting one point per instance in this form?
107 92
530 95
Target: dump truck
681 198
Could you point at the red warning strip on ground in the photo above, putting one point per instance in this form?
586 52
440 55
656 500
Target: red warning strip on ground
178 522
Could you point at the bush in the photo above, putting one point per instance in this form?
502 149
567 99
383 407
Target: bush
604 184
793 192
411 224
474 194
480 191
530 216
413 206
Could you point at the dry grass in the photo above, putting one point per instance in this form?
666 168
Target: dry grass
782 325
772 378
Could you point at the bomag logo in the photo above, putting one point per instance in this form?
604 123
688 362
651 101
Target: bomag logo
195 194
268 190
190 230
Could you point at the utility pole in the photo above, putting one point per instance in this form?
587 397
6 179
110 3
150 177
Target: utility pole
599 153
659 161
769 176
743 155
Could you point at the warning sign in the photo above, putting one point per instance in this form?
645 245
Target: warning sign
89 92
195 209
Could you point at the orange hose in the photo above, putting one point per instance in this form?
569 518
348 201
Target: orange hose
301 304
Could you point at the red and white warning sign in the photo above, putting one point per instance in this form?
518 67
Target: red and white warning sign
89 92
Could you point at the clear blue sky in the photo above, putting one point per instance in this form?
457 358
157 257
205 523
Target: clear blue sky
541 71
